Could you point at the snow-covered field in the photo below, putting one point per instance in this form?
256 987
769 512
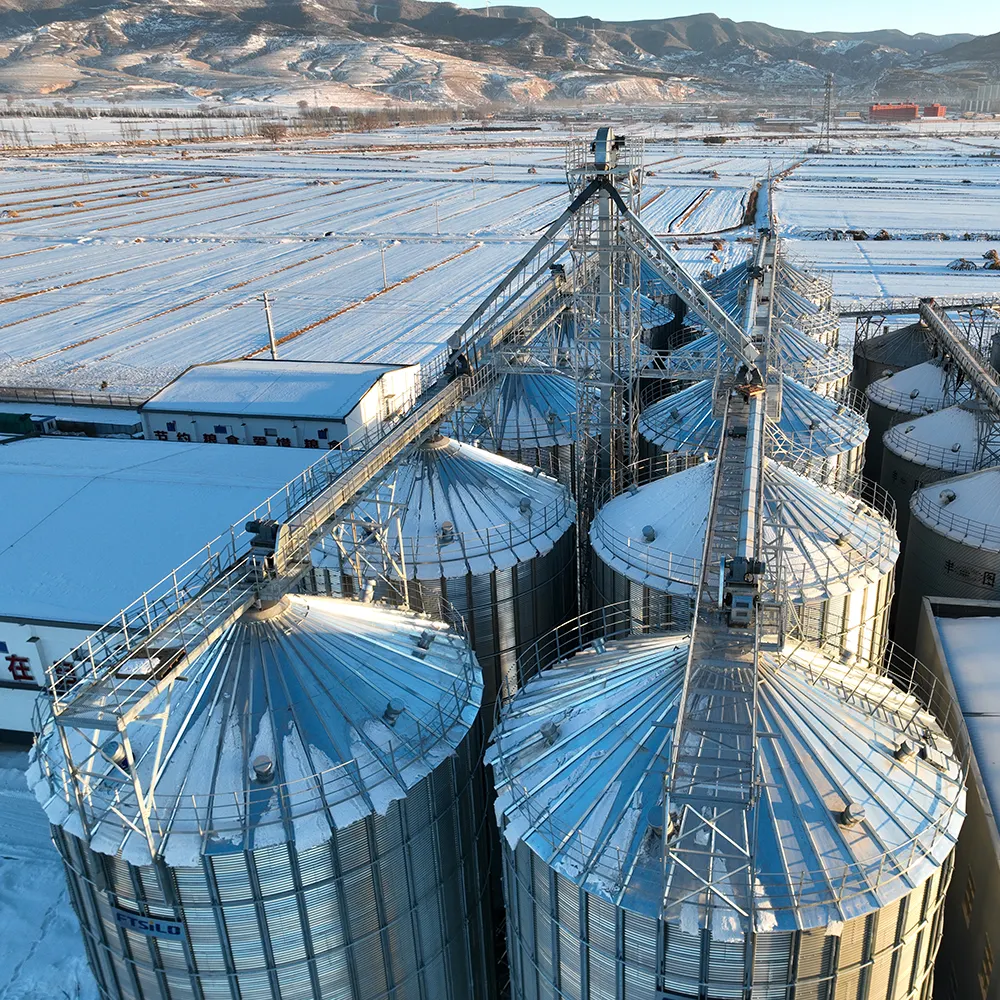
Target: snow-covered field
126 266
41 953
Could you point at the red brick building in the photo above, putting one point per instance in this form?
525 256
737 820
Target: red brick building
893 112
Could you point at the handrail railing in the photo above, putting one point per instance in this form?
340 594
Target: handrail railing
54 396
900 691
969 530
933 456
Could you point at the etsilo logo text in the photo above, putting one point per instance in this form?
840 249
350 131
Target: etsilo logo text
150 926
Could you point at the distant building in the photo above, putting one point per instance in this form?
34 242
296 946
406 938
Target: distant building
89 524
958 639
986 99
935 111
893 112
293 404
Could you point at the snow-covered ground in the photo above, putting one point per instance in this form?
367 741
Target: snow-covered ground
41 952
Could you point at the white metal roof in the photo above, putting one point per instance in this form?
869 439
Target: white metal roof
90 523
466 510
833 543
822 426
964 509
308 684
321 390
920 389
533 408
580 794
946 439
970 647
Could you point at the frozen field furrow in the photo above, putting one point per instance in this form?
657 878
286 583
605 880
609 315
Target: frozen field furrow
328 301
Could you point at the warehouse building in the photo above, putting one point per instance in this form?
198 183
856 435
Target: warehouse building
91 524
292 404
959 640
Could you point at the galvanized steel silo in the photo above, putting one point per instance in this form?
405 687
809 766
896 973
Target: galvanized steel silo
836 559
860 803
531 418
816 365
479 536
822 437
892 351
927 449
912 392
319 816
952 547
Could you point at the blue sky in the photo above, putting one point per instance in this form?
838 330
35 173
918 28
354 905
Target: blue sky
977 17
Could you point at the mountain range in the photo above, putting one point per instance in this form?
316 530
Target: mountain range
352 53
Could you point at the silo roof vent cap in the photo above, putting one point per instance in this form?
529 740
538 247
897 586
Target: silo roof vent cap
633 490
549 732
654 820
393 711
115 752
425 639
852 814
948 496
675 414
263 768
957 446
908 429
525 505
914 393
599 646
648 533
904 752
446 532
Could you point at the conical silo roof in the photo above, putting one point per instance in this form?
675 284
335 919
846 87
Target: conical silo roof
832 543
581 759
815 423
464 510
963 509
349 705
924 388
533 408
799 356
947 439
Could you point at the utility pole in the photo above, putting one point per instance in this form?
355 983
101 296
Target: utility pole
270 327
385 280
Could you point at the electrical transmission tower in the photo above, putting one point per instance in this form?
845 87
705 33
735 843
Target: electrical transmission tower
826 144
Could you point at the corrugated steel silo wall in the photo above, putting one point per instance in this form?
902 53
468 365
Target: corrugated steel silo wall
567 944
880 419
857 622
556 461
899 478
937 566
391 907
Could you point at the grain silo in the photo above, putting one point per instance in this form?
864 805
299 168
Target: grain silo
888 352
317 820
475 535
912 392
530 417
836 558
859 804
821 368
952 547
927 449
823 438
796 309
